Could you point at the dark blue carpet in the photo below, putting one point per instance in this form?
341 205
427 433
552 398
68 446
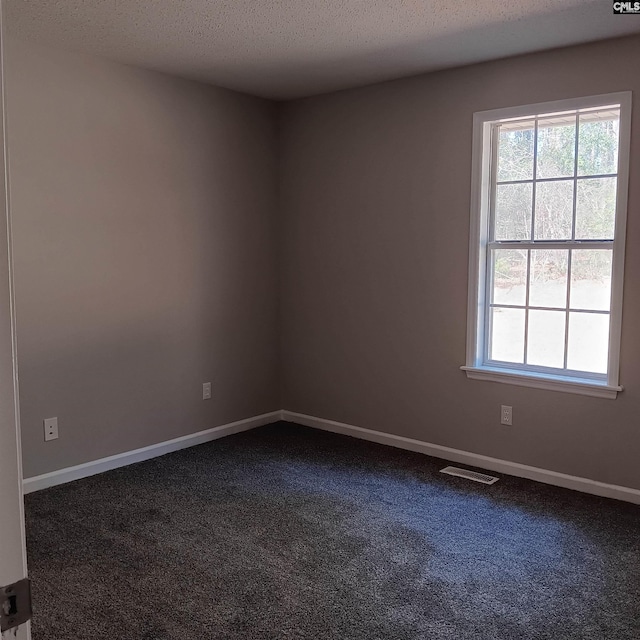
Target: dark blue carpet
286 532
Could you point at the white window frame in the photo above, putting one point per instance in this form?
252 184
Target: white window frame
475 366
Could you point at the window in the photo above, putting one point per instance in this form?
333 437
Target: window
547 244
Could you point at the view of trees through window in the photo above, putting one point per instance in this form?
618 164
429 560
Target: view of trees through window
553 211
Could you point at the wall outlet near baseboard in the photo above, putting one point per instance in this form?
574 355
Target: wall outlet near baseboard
50 429
206 391
506 415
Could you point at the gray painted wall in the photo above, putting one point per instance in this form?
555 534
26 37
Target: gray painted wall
144 236
147 258
375 187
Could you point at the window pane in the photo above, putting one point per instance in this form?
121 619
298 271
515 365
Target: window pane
556 147
554 210
507 335
598 144
545 345
596 208
588 342
515 151
591 279
549 271
513 211
509 276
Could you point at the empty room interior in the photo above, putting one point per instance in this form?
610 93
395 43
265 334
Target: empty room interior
326 318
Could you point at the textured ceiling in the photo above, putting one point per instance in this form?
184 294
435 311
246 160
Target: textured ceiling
290 48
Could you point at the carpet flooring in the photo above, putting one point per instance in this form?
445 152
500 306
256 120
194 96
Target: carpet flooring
286 533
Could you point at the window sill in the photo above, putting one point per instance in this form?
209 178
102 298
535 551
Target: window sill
566 385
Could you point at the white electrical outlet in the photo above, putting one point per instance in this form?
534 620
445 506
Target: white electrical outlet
506 415
50 429
206 391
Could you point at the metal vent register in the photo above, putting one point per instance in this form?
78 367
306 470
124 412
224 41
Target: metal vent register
469 475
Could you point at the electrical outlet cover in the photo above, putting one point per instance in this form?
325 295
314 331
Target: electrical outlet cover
50 429
506 415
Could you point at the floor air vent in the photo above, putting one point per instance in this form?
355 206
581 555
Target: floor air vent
470 475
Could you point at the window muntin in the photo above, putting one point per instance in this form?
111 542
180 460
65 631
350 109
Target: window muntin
549 206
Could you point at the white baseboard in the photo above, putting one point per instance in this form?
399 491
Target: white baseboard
438 451
472 459
87 469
